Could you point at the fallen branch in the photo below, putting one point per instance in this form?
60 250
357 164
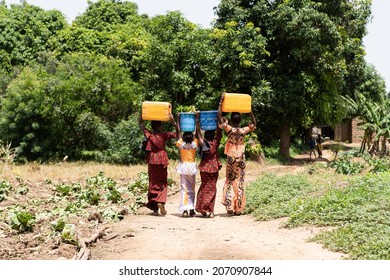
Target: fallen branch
85 253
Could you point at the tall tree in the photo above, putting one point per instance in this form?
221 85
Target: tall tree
178 62
25 31
105 14
307 60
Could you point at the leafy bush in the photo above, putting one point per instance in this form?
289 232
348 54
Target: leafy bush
114 196
62 189
91 195
253 147
345 165
68 234
22 220
58 225
125 143
5 188
379 164
139 188
100 181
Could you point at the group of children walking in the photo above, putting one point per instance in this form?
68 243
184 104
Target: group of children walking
233 195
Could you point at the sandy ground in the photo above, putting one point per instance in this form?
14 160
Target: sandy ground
172 237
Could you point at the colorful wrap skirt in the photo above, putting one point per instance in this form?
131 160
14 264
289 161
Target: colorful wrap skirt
233 194
205 199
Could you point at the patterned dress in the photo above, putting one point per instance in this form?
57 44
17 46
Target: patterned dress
233 196
209 167
187 169
157 160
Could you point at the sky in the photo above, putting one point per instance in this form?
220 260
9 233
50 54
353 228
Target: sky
201 12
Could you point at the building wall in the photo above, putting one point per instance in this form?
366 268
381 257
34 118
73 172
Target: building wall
357 132
349 131
343 132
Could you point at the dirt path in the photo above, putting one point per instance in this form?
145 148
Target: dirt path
147 237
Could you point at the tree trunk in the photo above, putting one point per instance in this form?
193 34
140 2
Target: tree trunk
308 134
284 146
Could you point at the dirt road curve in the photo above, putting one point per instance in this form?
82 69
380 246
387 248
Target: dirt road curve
146 237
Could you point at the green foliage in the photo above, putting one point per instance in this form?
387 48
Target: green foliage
125 143
25 31
253 147
69 110
357 210
73 207
379 164
359 213
58 225
346 165
301 82
241 54
273 196
5 188
73 89
104 15
139 188
100 181
91 195
178 63
68 234
22 220
66 189
114 196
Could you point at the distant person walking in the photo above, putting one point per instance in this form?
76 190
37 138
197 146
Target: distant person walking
319 142
312 146
209 169
157 160
233 196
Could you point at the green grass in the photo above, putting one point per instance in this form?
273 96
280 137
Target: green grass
358 212
273 196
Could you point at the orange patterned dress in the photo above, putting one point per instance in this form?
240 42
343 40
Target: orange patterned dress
233 196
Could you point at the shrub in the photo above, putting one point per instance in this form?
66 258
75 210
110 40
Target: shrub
125 143
5 188
22 220
345 165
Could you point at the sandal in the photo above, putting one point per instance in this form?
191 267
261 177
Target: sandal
185 214
162 209
230 213
192 212
210 215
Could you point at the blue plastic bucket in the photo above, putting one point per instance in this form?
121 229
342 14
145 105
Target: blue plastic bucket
187 122
208 120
